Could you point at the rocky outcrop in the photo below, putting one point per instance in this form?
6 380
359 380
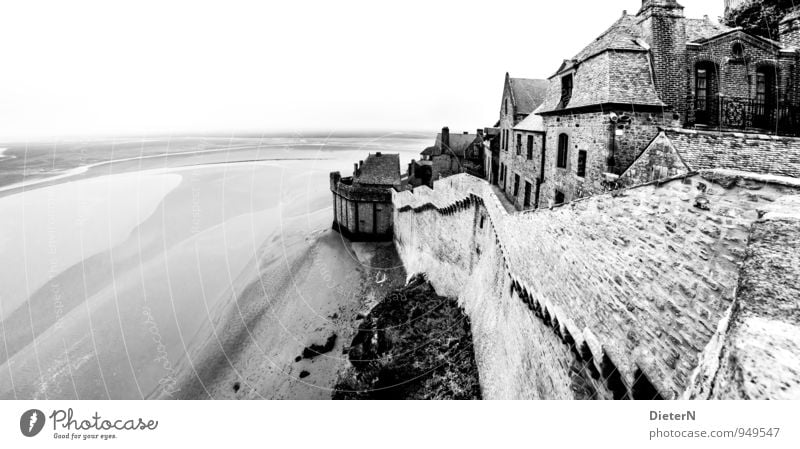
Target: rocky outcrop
414 344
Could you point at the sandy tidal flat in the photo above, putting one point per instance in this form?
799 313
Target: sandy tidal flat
175 282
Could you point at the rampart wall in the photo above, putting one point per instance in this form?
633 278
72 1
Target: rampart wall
613 296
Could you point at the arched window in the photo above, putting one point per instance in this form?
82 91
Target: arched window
563 151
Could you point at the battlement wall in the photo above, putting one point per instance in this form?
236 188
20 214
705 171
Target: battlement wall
613 296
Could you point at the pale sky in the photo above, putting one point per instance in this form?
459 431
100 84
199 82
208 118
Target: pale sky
107 67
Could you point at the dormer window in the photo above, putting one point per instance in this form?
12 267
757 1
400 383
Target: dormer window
566 91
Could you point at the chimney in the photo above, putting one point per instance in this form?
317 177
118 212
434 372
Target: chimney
378 154
789 28
480 132
445 138
355 170
665 32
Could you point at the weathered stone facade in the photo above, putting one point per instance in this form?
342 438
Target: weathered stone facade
631 288
658 69
523 169
601 139
362 204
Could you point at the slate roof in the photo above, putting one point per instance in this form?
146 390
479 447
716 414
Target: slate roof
755 153
533 122
615 68
609 77
380 169
528 93
621 35
459 143
700 29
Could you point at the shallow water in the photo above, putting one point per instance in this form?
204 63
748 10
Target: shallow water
117 255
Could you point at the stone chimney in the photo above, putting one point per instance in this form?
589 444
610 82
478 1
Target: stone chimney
445 139
480 132
789 28
355 170
665 32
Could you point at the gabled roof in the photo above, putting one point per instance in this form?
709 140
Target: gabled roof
380 169
527 94
532 123
757 41
459 143
755 153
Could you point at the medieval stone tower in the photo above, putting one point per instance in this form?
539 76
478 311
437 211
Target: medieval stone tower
665 33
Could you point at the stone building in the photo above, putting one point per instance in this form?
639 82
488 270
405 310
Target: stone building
362 204
452 154
653 70
524 163
521 96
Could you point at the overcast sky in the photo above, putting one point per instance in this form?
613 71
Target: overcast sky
100 67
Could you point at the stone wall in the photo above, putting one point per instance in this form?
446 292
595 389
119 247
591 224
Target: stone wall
528 169
596 134
361 212
611 296
754 354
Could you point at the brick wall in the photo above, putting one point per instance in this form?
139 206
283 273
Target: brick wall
665 32
634 284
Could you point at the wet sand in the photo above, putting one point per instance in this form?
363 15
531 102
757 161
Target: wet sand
253 353
179 278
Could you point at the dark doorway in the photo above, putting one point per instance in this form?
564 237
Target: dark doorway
527 200
559 197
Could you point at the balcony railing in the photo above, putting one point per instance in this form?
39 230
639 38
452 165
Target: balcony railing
745 114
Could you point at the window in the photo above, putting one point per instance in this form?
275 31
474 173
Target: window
530 148
519 144
505 107
701 90
563 150
516 185
566 91
738 50
559 197
582 163
761 87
